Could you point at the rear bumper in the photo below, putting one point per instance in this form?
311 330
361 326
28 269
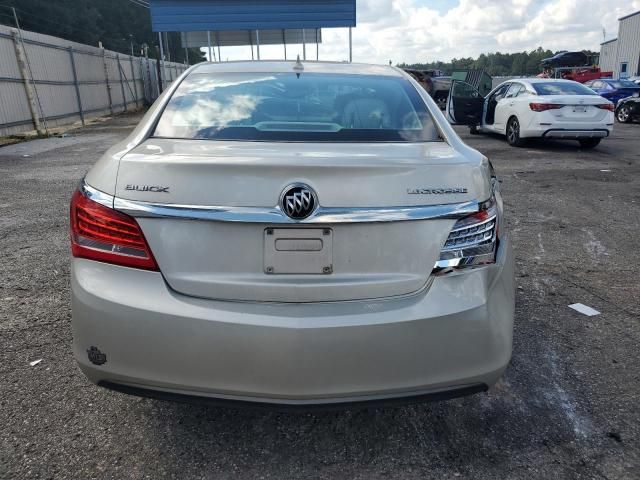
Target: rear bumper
549 125
453 338
304 406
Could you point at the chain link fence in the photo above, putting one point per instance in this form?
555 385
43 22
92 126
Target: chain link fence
47 81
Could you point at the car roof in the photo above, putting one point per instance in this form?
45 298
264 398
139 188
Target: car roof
533 80
544 80
268 66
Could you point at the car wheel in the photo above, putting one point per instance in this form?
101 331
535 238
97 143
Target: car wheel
441 101
589 142
474 130
513 133
623 114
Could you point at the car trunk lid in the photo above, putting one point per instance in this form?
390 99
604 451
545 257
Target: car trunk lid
577 108
258 260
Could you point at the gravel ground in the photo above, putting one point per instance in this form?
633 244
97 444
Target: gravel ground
567 407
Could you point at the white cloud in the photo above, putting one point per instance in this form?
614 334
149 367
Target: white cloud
410 31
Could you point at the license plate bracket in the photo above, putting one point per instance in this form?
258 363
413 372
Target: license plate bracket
302 251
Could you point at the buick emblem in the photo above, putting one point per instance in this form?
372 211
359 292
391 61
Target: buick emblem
298 201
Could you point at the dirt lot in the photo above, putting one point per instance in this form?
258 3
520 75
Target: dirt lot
567 407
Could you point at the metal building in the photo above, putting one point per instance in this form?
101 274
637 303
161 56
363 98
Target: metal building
622 55
226 20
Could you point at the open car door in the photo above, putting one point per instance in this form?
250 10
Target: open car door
464 105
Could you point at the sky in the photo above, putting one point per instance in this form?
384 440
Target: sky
414 31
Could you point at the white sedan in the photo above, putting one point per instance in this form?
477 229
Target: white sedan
533 107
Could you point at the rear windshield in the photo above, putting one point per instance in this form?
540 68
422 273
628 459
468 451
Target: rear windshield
562 88
623 84
297 107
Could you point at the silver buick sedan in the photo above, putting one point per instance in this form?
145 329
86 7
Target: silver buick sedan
292 234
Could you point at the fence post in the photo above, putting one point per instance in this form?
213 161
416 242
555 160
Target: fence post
75 84
152 87
135 83
160 75
22 64
106 79
161 71
124 98
144 80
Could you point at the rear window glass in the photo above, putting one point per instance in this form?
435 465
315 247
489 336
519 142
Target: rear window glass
296 107
623 84
562 88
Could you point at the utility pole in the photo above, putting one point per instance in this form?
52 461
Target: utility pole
258 43
209 45
186 51
304 46
218 43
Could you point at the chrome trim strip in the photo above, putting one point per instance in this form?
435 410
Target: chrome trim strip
455 263
475 225
561 133
96 195
275 216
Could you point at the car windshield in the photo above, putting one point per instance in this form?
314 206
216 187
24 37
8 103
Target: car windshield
623 84
562 88
297 107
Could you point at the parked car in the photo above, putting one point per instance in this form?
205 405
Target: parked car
436 86
441 86
292 233
635 80
614 90
423 77
534 107
628 109
566 59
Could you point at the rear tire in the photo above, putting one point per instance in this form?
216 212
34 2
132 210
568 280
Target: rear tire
474 130
623 115
513 133
589 142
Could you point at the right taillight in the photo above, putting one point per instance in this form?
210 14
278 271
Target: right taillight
103 234
607 106
543 107
473 239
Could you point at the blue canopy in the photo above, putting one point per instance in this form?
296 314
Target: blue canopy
221 15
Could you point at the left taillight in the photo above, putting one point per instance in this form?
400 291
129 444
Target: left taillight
105 235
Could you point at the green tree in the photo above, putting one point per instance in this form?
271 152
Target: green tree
118 24
495 64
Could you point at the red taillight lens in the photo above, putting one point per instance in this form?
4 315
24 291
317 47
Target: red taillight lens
607 106
543 107
102 234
